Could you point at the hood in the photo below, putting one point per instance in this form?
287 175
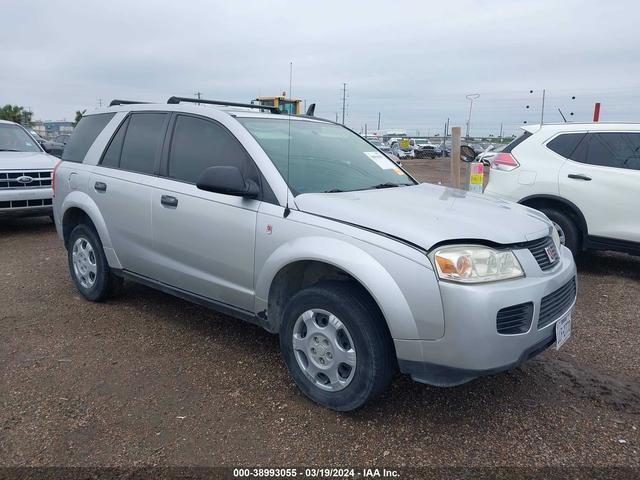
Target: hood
428 214
27 161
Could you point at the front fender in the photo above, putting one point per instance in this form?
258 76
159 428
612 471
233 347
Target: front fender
353 260
82 201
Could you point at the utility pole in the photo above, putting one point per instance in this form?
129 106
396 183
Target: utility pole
365 130
471 97
336 117
344 99
378 120
542 114
100 102
198 94
500 132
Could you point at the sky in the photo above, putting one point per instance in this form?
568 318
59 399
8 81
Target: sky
413 62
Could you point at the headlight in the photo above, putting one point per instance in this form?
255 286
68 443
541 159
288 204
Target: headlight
476 264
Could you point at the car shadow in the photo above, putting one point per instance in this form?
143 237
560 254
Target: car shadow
609 263
25 225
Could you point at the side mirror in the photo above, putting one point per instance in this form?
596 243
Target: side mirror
227 180
467 154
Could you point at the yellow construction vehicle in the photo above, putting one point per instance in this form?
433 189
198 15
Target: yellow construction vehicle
291 106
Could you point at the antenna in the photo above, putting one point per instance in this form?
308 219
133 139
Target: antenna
287 210
563 117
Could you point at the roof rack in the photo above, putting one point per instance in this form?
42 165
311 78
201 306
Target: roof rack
124 102
174 100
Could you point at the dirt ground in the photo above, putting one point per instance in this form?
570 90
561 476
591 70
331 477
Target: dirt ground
148 379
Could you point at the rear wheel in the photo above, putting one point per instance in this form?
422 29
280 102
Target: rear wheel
567 229
336 346
88 265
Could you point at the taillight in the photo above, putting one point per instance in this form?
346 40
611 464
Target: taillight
504 161
53 177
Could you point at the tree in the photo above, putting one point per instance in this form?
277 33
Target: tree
15 113
79 115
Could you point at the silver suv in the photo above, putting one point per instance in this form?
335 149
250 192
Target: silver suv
300 226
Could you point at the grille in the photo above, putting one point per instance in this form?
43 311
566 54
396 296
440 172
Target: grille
39 179
515 319
556 303
539 252
25 203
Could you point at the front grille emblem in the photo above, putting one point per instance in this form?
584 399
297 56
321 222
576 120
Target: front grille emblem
24 179
552 253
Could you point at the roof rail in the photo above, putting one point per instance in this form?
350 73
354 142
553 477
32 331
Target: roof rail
124 102
174 100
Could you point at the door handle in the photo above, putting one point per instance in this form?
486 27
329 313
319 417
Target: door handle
100 187
169 201
579 176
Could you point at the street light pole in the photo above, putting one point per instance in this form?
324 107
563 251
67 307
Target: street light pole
471 97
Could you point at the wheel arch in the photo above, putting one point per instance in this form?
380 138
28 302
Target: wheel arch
306 261
78 207
552 201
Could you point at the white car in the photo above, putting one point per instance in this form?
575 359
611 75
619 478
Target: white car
25 173
584 177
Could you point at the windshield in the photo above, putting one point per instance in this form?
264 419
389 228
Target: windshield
323 157
14 139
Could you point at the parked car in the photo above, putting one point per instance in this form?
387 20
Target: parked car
486 156
56 146
443 150
423 148
25 173
296 225
584 177
399 151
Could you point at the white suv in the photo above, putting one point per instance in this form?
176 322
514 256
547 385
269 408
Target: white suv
584 177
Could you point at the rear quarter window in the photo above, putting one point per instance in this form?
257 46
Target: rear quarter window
84 135
566 143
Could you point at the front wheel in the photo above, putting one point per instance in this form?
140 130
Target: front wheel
336 346
88 265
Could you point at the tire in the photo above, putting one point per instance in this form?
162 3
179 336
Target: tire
360 330
91 273
567 228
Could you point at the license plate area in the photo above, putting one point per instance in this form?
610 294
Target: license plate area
563 330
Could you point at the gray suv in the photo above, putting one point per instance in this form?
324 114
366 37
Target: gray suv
300 226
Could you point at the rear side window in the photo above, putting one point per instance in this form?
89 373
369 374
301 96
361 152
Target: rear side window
143 142
198 144
566 143
517 142
84 135
111 157
610 149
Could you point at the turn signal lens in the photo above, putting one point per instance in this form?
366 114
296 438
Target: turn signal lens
476 264
53 177
504 161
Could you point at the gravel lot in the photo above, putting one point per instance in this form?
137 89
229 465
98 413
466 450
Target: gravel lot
148 379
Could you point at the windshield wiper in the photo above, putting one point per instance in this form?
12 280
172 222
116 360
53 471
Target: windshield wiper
333 190
391 185
9 150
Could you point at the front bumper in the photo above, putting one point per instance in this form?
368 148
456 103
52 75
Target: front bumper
26 202
471 346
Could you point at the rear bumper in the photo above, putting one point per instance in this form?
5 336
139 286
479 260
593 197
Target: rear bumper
26 202
471 346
